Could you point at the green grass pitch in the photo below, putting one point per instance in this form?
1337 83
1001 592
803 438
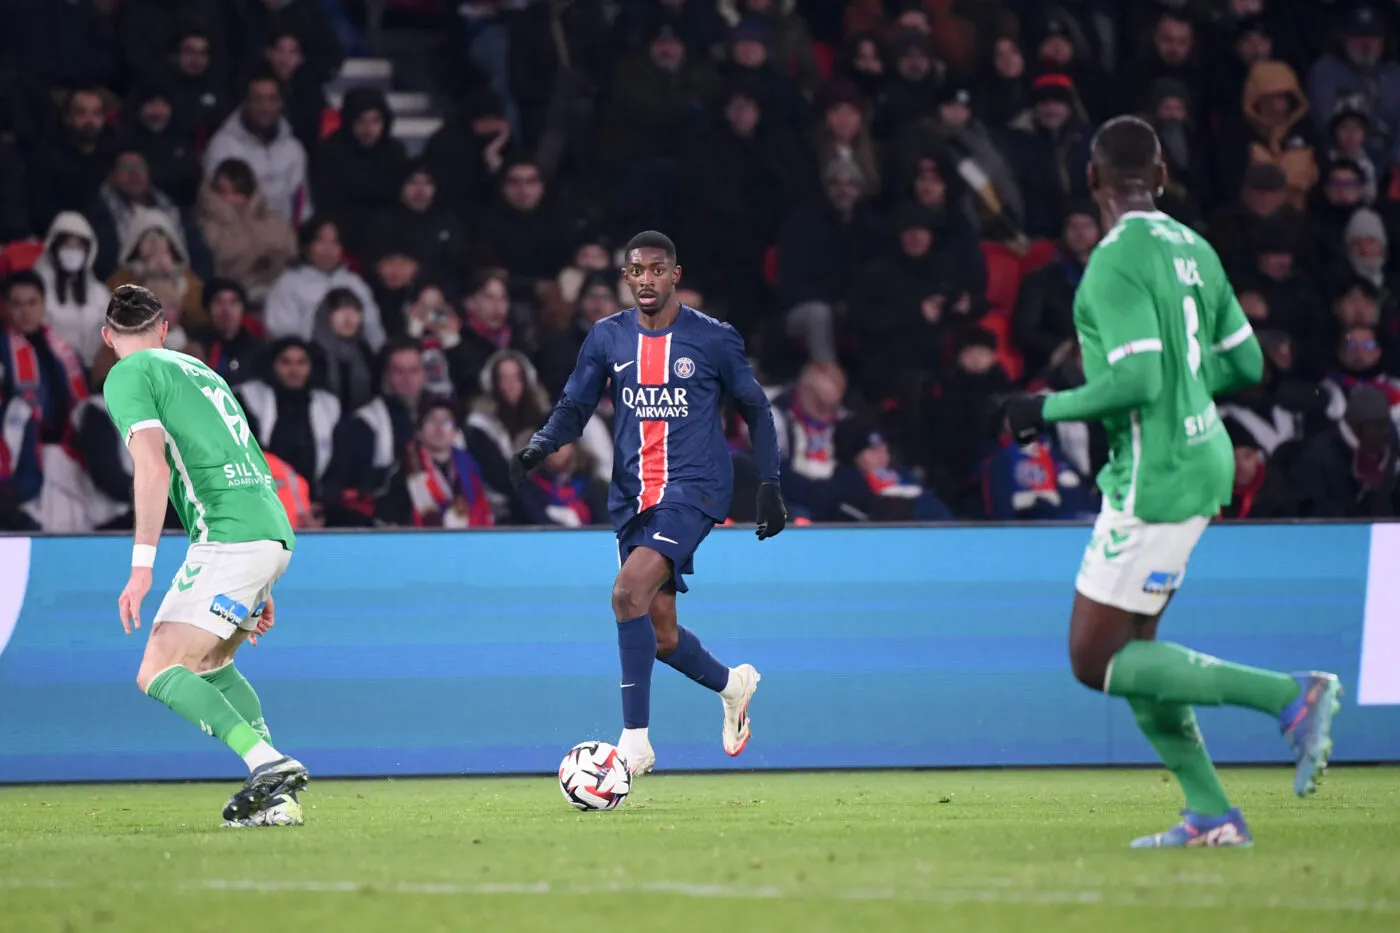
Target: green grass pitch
936 851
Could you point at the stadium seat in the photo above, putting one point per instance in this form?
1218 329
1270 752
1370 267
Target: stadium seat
330 121
1038 254
770 265
19 255
1004 271
825 54
1007 354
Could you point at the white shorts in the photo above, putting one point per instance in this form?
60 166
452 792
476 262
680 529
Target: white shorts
1133 565
222 587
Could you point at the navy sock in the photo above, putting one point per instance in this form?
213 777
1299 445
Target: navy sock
636 648
692 660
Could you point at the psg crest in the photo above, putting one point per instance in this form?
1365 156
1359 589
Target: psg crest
684 367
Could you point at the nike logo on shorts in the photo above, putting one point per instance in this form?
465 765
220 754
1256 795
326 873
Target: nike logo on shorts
619 367
660 537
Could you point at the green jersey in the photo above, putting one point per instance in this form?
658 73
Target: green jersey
1155 286
219 479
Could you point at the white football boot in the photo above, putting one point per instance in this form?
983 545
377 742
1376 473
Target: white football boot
281 810
743 681
635 748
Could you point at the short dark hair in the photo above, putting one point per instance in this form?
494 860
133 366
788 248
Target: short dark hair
484 277
338 298
652 239
259 74
399 344
216 287
1128 147
239 174
280 33
432 403
24 277
133 310
312 227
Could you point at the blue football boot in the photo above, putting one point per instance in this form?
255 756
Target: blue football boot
1307 724
1228 830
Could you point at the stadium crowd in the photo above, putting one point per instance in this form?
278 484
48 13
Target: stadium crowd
886 197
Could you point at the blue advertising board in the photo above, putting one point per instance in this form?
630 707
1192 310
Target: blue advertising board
444 653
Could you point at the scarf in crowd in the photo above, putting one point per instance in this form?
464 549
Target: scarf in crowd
28 376
1034 476
817 438
565 490
500 339
433 493
1244 495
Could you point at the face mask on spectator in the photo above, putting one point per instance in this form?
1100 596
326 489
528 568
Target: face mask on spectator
71 259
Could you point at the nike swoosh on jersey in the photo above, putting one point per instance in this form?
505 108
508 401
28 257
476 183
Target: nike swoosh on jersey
619 367
660 537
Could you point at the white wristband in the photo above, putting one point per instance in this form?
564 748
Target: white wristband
143 555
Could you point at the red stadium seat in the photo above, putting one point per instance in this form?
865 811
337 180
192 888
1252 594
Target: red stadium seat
1007 354
19 255
770 265
1038 254
1004 271
330 121
825 54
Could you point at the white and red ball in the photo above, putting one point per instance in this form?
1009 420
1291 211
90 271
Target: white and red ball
594 776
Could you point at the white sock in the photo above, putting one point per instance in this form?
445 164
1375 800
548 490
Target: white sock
636 735
259 755
732 687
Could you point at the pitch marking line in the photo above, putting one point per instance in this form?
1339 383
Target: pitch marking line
994 895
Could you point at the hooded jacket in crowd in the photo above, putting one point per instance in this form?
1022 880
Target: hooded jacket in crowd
77 301
354 182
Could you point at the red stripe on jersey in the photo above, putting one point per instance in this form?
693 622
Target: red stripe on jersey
653 359
653 369
653 463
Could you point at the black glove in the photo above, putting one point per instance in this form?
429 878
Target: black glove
772 513
1025 417
523 461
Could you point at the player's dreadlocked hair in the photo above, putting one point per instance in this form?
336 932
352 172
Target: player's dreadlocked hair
133 310
652 239
1127 149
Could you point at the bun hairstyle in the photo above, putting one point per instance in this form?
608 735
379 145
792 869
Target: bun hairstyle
133 310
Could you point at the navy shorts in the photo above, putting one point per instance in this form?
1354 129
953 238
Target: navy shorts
675 530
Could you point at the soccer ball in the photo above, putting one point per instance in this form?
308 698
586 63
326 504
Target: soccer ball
594 776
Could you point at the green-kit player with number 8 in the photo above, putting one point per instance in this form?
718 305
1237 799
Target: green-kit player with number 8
1162 335
189 440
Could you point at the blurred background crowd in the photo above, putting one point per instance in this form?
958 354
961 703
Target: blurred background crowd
390 223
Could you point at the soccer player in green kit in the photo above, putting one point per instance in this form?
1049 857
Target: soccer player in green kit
189 440
1162 335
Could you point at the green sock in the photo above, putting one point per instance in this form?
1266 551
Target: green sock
1171 728
1159 670
202 704
240 695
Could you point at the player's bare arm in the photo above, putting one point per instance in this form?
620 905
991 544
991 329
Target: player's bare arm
151 485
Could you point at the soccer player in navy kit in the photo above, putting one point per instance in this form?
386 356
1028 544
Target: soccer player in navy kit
672 368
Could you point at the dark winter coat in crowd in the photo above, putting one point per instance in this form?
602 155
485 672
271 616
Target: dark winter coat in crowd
170 153
1327 478
653 112
819 253
1044 315
531 245
1234 231
435 237
101 450
14 206
1042 160
63 177
890 322
308 20
237 358
57 45
1268 496
148 31
201 102
352 182
359 469
958 419
455 155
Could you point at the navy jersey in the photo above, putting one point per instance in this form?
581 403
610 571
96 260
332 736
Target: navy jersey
669 388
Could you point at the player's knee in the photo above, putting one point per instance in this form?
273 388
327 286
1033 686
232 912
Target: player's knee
627 601
148 673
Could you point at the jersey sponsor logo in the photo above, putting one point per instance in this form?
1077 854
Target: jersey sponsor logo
229 609
657 403
1159 582
684 368
1203 425
244 474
